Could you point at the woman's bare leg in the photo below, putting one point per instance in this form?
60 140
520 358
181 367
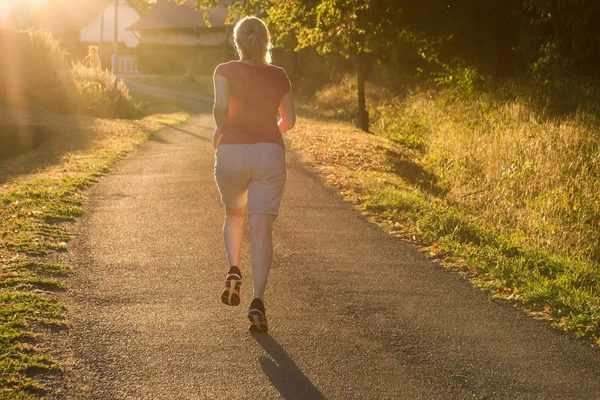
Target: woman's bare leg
261 230
233 233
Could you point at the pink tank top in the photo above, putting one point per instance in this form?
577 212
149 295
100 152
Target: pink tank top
255 93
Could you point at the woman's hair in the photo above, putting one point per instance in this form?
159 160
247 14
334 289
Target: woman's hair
252 40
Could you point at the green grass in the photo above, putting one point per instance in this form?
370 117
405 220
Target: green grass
152 105
202 85
40 190
504 192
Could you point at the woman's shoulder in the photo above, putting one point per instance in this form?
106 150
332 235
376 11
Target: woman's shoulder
228 63
224 67
234 67
282 77
278 72
277 68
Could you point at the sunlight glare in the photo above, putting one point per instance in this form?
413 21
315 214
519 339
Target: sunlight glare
5 6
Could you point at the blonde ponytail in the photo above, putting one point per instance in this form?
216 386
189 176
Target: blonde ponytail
252 40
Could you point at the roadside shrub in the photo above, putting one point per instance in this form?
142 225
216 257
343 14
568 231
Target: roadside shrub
521 166
99 91
175 60
35 76
32 71
312 71
509 185
340 100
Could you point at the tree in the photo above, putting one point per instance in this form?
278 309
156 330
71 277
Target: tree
548 37
566 35
142 6
354 29
350 28
237 8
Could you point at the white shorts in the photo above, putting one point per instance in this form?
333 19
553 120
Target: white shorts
252 175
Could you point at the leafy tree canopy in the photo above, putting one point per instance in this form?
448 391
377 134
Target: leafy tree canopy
498 36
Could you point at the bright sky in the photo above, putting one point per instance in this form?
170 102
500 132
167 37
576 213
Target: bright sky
6 4
4 7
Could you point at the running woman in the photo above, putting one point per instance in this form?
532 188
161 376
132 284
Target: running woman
250 168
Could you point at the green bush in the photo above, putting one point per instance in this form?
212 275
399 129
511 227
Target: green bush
99 92
32 69
498 153
34 75
175 60
505 184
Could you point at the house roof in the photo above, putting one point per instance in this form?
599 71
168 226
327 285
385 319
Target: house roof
64 16
169 15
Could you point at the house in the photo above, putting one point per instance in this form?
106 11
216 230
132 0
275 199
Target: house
169 23
77 20
90 33
79 24
175 37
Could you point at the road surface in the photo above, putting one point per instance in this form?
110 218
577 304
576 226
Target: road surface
353 312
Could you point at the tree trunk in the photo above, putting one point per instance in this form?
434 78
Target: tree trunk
362 119
115 58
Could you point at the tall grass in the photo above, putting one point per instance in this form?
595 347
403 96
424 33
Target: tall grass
506 179
511 163
519 166
99 91
34 75
31 65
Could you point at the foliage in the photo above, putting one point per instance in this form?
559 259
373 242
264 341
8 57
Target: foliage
175 60
567 32
500 189
31 65
202 85
35 76
237 8
99 91
548 38
141 5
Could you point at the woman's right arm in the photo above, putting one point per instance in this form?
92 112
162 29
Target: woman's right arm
287 112
221 106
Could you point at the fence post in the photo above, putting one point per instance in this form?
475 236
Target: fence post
116 41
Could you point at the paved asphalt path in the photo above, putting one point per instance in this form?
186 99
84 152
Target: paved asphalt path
354 313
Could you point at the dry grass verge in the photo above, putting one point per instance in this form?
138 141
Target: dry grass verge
499 191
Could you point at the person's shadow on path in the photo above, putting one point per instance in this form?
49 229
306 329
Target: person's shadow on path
284 374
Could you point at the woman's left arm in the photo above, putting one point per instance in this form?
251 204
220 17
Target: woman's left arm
287 112
220 107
